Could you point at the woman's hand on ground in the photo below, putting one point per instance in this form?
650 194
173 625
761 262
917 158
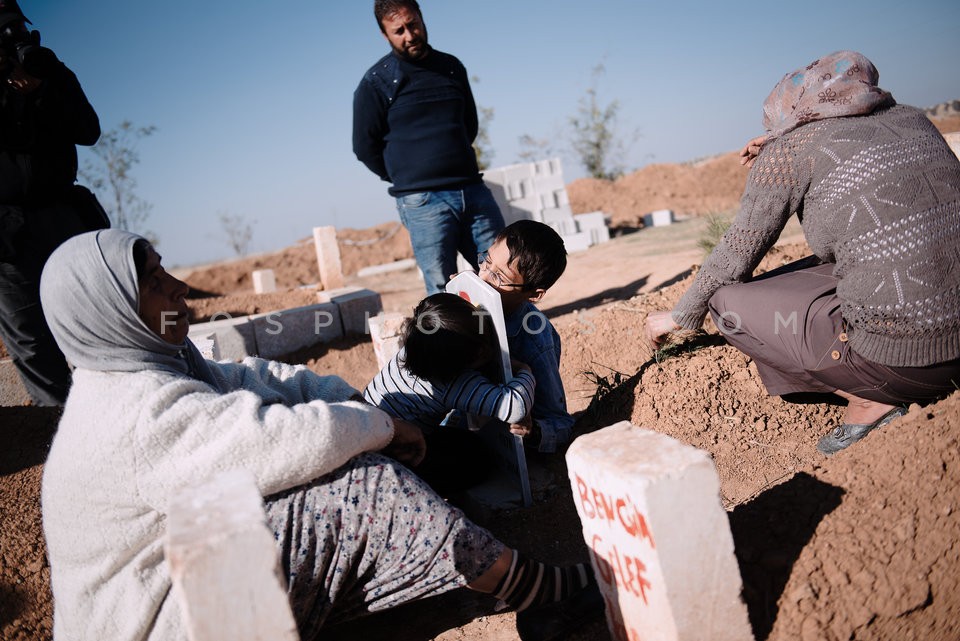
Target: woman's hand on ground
407 445
658 326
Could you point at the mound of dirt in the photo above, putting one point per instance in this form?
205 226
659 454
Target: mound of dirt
712 185
862 545
701 187
297 266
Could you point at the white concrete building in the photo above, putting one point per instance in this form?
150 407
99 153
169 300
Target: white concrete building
536 191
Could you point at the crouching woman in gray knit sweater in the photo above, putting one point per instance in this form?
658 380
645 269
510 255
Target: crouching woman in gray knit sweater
147 416
874 315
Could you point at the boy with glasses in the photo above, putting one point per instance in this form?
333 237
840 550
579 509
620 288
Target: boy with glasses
524 261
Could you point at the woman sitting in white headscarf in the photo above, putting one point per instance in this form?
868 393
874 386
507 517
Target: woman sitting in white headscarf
874 316
148 416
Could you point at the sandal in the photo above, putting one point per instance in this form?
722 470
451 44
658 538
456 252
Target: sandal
849 433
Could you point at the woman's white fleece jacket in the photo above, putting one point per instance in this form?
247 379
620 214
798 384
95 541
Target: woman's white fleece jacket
127 442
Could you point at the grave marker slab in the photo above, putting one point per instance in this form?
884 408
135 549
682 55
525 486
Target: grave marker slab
236 337
224 565
287 330
264 282
207 346
659 538
659 218
328 257
356 304
509 447
385 336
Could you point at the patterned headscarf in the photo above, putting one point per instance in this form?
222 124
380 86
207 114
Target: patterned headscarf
91 301
841 84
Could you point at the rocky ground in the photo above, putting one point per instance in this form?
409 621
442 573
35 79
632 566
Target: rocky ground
861 545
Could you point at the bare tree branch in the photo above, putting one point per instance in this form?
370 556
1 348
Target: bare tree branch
110 175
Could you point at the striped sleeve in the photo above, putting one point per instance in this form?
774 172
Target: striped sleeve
474 394
402 395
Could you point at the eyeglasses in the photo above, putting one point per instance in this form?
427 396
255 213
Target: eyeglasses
483 260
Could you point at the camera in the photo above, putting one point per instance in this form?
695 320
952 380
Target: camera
23 46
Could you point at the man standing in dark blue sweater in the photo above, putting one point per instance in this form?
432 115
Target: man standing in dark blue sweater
414 123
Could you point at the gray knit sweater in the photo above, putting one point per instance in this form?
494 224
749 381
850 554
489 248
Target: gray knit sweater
878 196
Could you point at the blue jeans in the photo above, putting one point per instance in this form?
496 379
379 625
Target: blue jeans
442 223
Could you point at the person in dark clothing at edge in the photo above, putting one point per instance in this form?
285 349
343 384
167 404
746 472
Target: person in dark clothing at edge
414 123
43 115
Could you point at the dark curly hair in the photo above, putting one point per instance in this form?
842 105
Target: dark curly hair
446 336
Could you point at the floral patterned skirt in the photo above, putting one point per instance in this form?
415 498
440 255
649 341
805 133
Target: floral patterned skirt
369 536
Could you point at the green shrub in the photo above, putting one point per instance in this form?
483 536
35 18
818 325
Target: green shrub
717 225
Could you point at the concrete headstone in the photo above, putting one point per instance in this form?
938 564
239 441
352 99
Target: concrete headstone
659 538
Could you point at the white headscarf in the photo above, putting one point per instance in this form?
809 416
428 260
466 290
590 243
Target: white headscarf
90 298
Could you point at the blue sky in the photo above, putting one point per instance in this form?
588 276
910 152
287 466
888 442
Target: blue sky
252 100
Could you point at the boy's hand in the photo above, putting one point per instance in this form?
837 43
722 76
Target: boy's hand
523 428
529 431
407 445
